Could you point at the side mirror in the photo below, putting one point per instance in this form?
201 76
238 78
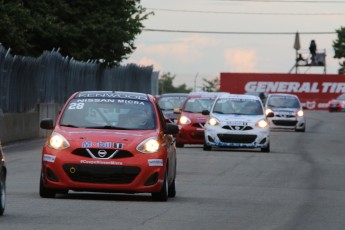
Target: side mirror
171 129
270 114
205 112
47 123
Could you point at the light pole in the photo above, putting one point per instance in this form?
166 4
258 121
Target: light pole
196 76
297 46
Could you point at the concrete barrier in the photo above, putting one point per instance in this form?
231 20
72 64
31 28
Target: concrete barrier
19 126
26 126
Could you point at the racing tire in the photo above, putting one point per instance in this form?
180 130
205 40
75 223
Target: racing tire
266 149
2 194
207 148
162 195
46 192
300 130
172 189
179 145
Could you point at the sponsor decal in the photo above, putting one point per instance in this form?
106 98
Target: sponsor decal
311 104
99 144
295 87
200 119
113 95
155 162
97 100
118 146
130 102
100 162
49 158
237 123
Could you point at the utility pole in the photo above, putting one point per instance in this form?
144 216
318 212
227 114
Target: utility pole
196 76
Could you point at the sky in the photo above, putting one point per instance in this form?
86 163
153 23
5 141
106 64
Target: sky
195 40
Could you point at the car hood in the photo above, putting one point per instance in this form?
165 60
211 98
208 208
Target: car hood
170 113
195 116
275 110
235 118
104 138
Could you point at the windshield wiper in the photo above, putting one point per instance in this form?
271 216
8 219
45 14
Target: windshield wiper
69 125
107 127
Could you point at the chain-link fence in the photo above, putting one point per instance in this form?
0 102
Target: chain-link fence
26 82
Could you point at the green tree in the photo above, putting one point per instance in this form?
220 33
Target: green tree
339 49
102 30
166 85
211 85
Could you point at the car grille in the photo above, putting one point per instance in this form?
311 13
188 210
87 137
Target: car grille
234 138
101 174
237 127
198 125
94 153
284 123
197 135
285 115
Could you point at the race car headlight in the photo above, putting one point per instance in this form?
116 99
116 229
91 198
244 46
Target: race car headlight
58 142
213 121
184 120
300 113
262 124
268 111
150 145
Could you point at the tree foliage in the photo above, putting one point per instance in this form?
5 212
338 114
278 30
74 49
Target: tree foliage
102 30
166 85
211 85
339 49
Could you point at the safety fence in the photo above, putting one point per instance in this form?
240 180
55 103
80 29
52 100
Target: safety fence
26 82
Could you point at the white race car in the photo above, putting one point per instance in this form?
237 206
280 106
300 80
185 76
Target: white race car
237 121
287 110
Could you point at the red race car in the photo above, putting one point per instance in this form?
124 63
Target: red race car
191 121
109 142
337 105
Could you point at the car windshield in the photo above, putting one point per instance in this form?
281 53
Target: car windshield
341 97
109 114
283 102
170 103
238 106
197 105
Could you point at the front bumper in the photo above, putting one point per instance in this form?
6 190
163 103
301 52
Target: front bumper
219 137
287 123
190 135
62 170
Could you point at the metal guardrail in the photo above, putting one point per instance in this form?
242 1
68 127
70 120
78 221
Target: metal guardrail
25 82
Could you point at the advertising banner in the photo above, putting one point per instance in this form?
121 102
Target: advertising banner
314 90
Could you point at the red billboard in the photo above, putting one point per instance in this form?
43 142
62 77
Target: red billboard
314 90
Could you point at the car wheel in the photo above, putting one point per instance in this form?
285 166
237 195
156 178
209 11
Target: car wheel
300 130
206 147
266 149
46 192
2 194
172 189
179 145
162 195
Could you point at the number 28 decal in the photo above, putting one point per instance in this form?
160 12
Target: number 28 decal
76 106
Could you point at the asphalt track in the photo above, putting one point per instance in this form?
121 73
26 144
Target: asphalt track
300 184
